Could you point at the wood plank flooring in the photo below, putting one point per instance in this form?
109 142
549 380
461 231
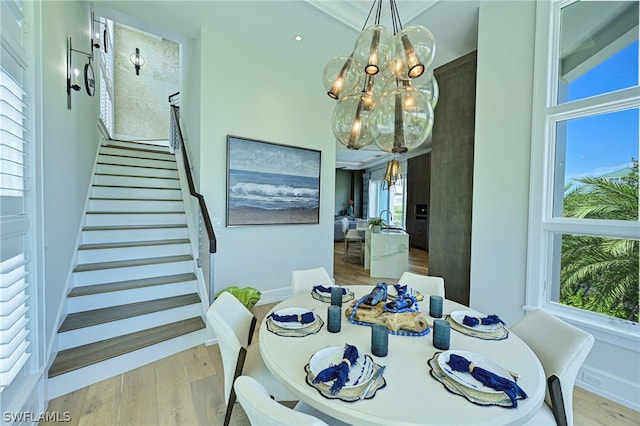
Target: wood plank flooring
187 388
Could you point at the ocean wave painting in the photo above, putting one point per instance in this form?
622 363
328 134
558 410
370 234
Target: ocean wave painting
271 184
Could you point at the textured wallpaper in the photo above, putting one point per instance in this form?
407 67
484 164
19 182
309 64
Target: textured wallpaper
141 101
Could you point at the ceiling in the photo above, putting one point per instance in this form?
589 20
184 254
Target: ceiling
328 27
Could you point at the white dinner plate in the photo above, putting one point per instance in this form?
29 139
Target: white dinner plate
294 325
466 379
458 317
359 373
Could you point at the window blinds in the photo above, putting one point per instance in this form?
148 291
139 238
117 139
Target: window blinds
15 225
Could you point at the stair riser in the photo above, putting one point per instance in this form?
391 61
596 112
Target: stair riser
127 161
135 171
133 153
101 276
74 380
136 181
115 298
108 205
135 193
115 236
86 335
124 253
114 219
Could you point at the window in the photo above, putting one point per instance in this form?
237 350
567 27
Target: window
392 200
584 228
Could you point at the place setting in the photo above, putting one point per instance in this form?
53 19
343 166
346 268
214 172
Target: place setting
326 293
476 378
294 322
475 324
345 373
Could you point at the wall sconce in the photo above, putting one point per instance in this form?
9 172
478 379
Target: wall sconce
137 60
95 34
73 74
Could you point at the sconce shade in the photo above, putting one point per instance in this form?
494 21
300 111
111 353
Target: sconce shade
415 51
137 60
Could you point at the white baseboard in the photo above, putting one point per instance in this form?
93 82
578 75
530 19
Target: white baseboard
609 386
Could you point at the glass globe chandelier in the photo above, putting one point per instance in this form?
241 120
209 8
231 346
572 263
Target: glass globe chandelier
384 90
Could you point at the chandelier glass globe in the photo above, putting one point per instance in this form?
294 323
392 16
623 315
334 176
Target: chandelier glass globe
426 84
401 120
373 48
349 122
415 49
340 77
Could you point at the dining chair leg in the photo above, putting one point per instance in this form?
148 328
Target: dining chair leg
230 403
242 355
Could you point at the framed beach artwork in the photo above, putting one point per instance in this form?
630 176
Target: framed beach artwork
271 184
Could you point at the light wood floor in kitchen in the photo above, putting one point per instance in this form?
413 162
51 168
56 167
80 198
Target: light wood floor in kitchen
187 388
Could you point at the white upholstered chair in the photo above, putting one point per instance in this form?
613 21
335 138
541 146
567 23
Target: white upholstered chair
561 349
306 279
234 325
264 411
424 284
352 239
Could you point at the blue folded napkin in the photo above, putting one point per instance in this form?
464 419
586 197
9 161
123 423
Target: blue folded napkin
400 289
304 318
487 378
339 373
488 320
323 289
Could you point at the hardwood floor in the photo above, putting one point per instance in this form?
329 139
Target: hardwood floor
187 388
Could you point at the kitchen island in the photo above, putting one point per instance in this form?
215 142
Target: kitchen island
386 253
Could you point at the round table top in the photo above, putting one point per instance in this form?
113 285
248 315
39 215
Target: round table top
411 395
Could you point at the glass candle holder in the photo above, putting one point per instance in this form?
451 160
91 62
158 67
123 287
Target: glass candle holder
441 334
334 318
435 306
379 340
336 296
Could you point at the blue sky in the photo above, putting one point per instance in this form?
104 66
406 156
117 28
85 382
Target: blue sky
604 143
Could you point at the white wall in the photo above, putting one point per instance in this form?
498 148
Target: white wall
70 141
245 93
501 186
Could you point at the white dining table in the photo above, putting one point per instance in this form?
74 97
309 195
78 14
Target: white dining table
411 396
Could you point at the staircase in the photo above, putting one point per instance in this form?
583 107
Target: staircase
135 289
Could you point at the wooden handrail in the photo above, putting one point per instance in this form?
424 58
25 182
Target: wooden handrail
192 189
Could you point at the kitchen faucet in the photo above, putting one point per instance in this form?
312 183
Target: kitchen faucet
390 216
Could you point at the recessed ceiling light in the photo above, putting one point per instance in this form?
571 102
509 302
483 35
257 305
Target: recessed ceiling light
297 37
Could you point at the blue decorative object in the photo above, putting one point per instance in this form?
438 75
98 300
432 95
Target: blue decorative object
339 373
488 320
324 289
305 318
334 318
487 378
441 334
435 306
379 340
336 295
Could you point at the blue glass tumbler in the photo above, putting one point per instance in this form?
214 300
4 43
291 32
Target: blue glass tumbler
379 340
435 306
336 296
334 318
441 334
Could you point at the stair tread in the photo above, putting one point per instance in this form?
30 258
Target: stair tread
136 165
135 199
130 284
124 227
130 263
135 212
145 149
129 244
137 176
84 319
133 187
139 157
83 356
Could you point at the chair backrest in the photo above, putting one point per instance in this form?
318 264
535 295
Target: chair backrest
345 225
560 347
424 284
306 279
233 325
264 411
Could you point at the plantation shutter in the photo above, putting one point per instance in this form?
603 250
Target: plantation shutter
15 224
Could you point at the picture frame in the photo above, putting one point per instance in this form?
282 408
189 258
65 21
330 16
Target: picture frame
271 184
